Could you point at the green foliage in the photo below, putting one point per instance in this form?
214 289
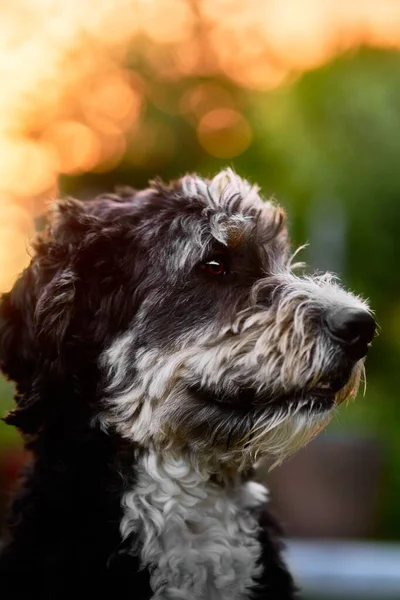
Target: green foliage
8 435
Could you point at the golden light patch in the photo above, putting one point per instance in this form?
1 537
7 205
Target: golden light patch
224 132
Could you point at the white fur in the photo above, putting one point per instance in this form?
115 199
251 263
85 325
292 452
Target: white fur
198 538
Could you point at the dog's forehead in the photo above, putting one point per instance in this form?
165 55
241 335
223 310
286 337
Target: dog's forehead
221 191
234 209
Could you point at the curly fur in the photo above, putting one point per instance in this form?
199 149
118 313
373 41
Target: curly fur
147 389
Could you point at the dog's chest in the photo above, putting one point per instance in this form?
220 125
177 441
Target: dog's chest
199 541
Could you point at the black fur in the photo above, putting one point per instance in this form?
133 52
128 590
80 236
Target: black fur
88 276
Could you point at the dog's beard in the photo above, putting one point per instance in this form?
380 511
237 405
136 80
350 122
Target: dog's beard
167 414
240 437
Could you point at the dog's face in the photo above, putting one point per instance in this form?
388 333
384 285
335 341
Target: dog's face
183 302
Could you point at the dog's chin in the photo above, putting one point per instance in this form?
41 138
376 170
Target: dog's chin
315 400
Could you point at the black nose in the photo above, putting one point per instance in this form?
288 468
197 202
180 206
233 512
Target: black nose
353 328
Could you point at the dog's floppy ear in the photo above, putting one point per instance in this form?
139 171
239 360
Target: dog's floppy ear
18 349
36 313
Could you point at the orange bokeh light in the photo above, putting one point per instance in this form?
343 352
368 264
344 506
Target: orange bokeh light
27 167
77 147
111 98
202 98
224 133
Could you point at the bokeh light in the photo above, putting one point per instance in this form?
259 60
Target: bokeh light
224 133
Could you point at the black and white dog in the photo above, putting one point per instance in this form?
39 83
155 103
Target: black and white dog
161 344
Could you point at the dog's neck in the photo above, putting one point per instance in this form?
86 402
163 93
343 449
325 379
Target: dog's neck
198 536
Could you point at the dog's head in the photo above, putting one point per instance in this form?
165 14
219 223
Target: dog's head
173 317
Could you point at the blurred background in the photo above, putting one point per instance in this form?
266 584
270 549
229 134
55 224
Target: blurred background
300 96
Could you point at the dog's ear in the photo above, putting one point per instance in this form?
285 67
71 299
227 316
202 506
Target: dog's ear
50 309
19 350
71 226
36 313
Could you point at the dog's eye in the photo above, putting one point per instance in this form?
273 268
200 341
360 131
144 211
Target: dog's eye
215 267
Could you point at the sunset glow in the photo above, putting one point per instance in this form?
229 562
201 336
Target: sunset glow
68 100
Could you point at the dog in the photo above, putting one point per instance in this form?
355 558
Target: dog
161 345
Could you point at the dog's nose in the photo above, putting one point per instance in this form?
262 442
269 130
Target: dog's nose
353 328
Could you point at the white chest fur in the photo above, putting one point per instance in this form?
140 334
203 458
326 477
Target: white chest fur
200 541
